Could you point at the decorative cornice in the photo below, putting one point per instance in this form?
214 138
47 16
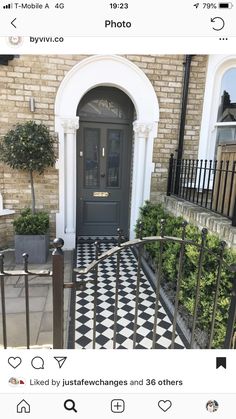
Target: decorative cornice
70 125
142 129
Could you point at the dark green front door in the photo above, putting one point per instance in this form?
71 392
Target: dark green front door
103 178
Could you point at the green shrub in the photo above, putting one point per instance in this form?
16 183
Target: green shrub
31 224
151 216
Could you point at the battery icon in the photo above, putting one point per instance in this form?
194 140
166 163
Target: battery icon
225 5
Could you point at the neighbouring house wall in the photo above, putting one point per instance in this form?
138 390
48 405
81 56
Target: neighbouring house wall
166 74
40 77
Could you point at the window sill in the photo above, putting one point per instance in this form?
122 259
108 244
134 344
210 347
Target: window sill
5 212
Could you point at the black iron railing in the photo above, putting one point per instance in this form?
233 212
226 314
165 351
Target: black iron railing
207 183
84 278
57 275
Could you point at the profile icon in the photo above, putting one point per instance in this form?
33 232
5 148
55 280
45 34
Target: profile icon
212 406
15 41
14 381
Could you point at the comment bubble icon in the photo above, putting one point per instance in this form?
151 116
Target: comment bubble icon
37 363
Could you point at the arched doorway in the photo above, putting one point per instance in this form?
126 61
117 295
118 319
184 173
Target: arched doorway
104 145
113 71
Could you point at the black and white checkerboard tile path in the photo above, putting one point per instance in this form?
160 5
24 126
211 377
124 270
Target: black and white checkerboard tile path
126 305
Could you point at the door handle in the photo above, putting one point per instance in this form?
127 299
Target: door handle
103 174
103 151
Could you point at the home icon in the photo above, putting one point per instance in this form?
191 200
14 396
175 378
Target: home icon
23 407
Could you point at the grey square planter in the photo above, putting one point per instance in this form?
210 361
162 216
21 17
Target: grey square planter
36 246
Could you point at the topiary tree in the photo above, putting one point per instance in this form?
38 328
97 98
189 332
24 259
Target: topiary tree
30 147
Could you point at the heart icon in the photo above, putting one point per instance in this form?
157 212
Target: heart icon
164 405
14 362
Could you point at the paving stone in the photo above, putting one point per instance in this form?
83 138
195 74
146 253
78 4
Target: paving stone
47 321
17 305
36 291
12 292
16 335
48 305
45 338
67 296
46 324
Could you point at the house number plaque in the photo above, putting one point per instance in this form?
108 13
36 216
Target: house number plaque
101 194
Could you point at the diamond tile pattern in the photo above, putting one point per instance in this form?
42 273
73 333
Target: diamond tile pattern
126 304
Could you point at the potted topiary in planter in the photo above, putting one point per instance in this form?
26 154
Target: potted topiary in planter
30 147
31 236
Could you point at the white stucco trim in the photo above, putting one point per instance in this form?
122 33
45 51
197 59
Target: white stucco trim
103 70
217 66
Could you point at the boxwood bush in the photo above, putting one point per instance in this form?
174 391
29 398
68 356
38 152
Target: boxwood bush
31 224
151 216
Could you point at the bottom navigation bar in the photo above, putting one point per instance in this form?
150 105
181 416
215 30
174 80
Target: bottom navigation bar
127 405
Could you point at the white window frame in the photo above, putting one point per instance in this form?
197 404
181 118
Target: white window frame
218 65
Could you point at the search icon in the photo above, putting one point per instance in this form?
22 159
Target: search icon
70 405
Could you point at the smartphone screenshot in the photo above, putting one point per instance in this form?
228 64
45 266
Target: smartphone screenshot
117 209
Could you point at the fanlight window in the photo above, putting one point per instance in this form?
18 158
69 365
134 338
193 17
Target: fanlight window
106 103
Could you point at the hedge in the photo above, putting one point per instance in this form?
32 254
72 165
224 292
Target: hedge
150 217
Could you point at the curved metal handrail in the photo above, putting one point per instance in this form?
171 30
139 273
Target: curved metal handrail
145 240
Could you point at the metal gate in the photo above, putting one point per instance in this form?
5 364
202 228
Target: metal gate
82 280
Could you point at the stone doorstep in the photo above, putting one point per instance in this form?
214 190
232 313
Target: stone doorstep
200 217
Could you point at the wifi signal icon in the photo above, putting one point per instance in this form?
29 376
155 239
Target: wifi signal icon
8 6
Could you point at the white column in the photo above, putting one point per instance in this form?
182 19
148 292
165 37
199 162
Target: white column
70 125
149 165
140 172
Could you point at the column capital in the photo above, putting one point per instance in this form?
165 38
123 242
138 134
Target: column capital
143 129
70 125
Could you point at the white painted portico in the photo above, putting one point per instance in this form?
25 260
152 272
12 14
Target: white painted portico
96 71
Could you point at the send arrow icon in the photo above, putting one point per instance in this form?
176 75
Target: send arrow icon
61 360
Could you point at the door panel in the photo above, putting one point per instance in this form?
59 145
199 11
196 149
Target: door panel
114 161
103 178
101 212
91 157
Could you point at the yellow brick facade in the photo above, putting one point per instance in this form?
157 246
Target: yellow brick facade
40 77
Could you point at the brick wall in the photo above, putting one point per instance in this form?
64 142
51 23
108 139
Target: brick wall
6 231
166 75
40 77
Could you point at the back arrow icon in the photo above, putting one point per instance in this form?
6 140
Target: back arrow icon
222 21
12 22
